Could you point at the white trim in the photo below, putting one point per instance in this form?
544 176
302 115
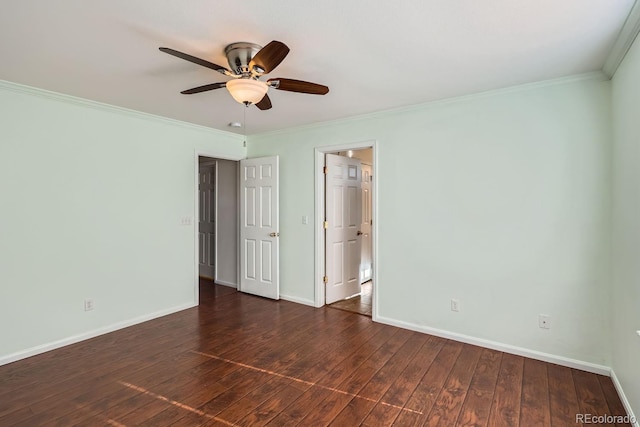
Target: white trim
225 283
507 348
623 398
298 300
216 190
320 151
69 99
626 37
90 334
375 169
196 209
319 237
593 75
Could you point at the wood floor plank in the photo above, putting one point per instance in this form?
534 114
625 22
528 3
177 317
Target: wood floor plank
354 413
356 379
242 360
447 406
340 372
273 406
358 409
364 374
334 351
426 393
245 408
616 407
384 378
591 399
477 405
535 394
386 411
301 407
47 408
563 402
505 409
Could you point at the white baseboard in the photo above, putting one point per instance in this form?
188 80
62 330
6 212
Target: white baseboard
623 398
225 283
90 334
298 300
533 354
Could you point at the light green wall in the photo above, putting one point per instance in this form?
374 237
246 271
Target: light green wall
91 200
626 225
500 200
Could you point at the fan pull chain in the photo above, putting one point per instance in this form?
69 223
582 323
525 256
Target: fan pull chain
244 124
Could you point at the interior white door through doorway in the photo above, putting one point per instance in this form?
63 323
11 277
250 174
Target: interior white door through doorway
343 243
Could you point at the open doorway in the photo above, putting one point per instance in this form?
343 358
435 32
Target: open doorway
217 222
360 299
346 229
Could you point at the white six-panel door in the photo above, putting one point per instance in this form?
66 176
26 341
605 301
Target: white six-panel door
259 236
343 206
206 222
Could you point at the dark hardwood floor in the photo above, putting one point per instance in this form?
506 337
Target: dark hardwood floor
243 360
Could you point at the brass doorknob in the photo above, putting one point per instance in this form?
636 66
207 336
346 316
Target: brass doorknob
274 234
359 233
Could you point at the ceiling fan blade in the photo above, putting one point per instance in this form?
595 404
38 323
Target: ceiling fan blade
269 57
204 88
265 103
190 58
292 85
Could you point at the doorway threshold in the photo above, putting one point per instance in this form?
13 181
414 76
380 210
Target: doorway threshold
360 304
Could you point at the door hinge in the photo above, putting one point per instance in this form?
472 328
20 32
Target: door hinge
325 224
325 279
325 170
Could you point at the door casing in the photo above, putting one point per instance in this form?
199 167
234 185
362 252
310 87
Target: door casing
319 295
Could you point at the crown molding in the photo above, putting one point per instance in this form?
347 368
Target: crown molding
69 99
574 78
626 37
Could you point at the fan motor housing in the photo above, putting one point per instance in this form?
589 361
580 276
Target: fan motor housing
239 55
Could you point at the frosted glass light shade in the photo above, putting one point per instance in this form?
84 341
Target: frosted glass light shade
247 90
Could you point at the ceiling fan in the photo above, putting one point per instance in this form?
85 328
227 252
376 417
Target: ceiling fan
248 62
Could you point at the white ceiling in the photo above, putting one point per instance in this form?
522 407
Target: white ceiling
374 55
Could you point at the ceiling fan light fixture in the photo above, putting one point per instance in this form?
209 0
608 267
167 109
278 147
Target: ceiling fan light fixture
247 91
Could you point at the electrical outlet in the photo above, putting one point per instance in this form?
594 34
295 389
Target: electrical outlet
544 321
455 304
88 304
638 332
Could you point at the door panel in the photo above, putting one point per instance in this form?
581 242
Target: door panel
343 213
259 271
206 221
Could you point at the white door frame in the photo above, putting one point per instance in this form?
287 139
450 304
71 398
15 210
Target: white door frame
319 218
196 210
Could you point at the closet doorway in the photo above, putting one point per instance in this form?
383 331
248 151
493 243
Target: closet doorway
217 221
